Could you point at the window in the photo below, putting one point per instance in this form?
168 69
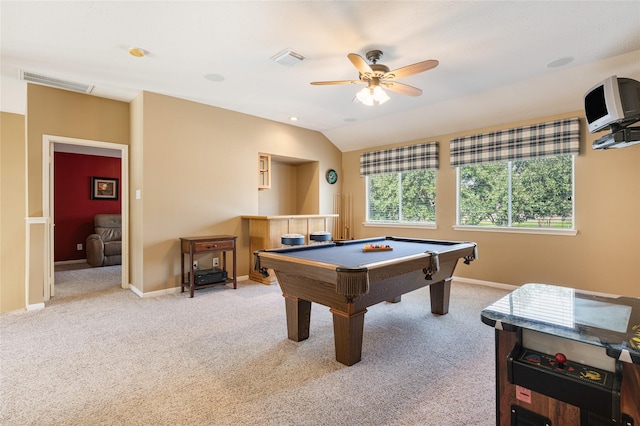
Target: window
404 197
401 184
536 193
518 178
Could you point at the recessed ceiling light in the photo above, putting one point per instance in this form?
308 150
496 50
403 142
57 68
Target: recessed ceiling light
557 63
293 118
137 52
214 77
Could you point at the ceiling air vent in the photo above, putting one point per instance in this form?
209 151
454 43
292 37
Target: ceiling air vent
288 57
55 82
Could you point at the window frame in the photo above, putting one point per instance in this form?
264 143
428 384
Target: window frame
514 229
399 224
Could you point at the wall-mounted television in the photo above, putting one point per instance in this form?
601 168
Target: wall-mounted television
613 101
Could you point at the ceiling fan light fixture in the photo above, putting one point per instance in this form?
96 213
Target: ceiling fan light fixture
376 75
372 95
379 95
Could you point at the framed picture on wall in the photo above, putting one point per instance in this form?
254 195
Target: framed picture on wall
104 188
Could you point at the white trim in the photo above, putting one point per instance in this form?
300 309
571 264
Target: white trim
35 306
514 230
166 291
27 219
413 225
35 220
485 283
137 292
47 211
48 142
156 293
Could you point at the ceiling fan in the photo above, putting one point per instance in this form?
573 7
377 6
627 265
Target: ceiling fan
376 76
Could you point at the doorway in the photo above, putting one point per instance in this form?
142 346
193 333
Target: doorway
50 143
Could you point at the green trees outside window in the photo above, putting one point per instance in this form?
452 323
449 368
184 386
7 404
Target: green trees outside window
530 193
406 197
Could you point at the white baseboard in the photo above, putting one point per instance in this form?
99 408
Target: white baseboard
485 283
173 290
153 293
35 306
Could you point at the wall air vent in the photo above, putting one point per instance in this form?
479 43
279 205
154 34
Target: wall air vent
55 82
288 57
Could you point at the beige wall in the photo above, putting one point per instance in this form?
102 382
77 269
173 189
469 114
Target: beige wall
308 177
136 244
283 180
69 114
269 200
12 212
199 175
195 167
64 113
294 189
605 254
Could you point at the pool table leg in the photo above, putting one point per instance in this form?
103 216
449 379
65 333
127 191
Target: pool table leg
347 332
440 294
298 318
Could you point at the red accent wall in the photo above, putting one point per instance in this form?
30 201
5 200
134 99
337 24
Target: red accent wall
73 207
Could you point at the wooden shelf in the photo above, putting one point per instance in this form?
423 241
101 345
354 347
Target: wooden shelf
264 171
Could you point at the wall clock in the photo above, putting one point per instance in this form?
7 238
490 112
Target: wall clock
332 176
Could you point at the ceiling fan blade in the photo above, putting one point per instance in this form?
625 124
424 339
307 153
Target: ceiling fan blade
404 89
325 83
411 69
362 65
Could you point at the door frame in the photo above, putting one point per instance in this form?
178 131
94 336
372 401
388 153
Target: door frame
48 144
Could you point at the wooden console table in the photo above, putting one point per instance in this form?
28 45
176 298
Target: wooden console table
214 243
265 232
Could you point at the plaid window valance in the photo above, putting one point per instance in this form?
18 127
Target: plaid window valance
402 159
521 143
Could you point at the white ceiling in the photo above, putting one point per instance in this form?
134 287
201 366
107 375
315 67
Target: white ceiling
493 57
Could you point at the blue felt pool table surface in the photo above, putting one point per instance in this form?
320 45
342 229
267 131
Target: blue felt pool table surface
350 254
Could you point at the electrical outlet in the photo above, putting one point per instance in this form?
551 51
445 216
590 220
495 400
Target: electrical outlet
195 264
78 246
216 262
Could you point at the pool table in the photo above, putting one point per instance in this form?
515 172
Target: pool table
344 277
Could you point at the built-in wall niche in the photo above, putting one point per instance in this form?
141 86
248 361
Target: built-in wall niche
295 187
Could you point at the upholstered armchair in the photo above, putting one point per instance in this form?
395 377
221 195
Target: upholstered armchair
104 248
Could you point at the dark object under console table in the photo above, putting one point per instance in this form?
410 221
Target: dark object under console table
210 244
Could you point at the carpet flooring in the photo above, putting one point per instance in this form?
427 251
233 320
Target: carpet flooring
100 355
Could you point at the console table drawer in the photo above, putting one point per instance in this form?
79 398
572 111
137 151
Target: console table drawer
212 246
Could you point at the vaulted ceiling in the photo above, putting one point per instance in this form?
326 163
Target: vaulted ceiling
498 60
